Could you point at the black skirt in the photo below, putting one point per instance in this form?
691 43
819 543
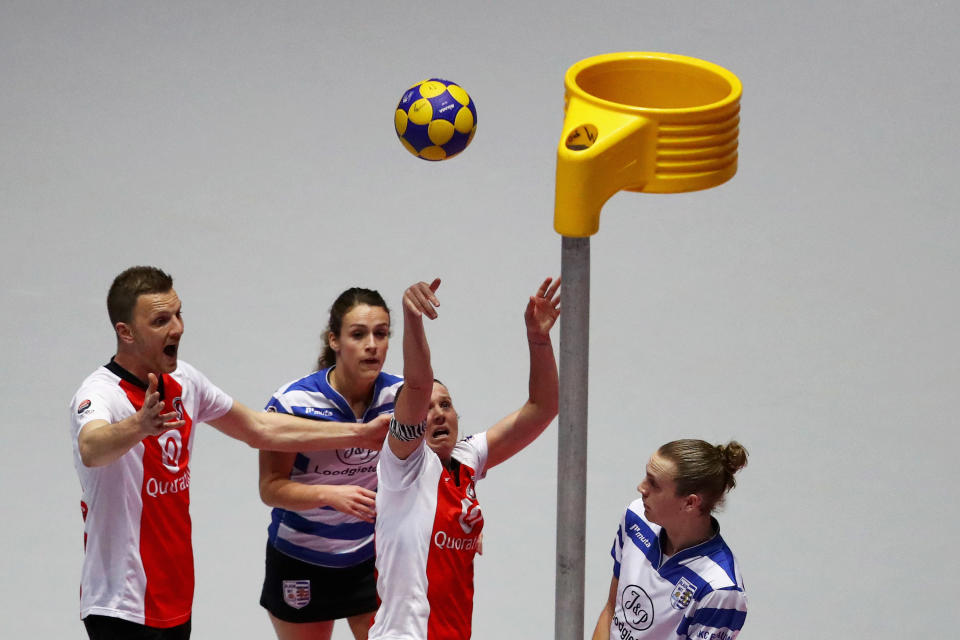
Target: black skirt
297 591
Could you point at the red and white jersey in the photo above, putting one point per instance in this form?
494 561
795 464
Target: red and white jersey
427 533
138 560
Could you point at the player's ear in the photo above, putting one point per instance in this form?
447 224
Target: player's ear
693 503
333 342
124 332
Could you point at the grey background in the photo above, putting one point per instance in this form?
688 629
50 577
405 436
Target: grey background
807 308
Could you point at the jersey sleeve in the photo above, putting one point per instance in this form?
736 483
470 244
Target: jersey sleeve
617 550
395 474
277 404
90 404
212 402
719 614
472 451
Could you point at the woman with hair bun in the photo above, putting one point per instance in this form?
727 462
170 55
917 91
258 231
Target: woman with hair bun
673 575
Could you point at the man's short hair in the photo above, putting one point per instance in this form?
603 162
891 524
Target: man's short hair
130 285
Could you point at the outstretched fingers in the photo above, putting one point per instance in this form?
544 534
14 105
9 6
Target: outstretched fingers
421 298
152 420
543 308
551 293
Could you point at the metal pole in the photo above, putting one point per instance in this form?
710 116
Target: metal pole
572 439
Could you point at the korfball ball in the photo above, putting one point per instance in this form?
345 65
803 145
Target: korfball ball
435 119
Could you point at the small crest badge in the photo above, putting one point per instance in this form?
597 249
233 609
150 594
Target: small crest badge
682 594
296 593
178 407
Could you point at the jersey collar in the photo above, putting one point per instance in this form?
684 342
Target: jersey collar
123 374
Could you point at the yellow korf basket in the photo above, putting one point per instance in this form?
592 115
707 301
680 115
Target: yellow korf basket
641 121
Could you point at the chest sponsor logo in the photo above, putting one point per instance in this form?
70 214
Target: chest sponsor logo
171 449
682 594
296 593
442 540
355 456
637 607
156 487
83 407
348 472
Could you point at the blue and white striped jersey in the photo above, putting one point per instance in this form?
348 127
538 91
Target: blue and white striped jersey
325 536
697 593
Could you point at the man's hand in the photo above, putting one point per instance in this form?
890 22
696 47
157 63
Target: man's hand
149 420
373 433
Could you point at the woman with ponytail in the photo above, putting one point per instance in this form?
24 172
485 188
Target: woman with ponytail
673 575
320 555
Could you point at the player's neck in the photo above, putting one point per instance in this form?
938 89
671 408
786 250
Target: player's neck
133 364
357 394
686 535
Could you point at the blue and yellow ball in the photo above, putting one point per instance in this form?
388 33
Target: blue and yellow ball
435 119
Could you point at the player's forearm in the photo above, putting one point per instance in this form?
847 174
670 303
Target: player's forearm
101 443
282 432
544 382
269 431
293 496
519 429
413 402
602 630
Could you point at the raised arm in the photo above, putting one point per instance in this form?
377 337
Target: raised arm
413 401
282 432
101 442
514 432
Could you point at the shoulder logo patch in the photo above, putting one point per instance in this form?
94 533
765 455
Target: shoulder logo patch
83 406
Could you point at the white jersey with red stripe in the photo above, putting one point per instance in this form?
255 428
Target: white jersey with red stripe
427 533
138 557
